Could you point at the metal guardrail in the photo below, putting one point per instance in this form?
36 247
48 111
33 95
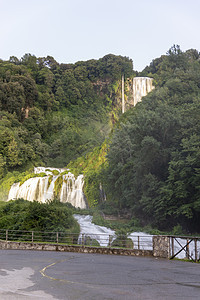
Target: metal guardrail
84 239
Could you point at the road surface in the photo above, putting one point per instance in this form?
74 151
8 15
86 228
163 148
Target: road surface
60 275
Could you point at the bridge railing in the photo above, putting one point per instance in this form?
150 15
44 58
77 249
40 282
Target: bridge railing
140 242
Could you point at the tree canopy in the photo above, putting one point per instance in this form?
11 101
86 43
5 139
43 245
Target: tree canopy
153 161
51 113
54 113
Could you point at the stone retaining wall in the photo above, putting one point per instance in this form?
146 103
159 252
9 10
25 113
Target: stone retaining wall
67 248
161 248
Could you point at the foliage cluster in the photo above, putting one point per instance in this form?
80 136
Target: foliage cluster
52 113
91 165
122 240
153 159
56 113
34 216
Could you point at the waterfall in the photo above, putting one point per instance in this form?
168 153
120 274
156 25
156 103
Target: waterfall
31 189
141 87
48 171
72 190
42 189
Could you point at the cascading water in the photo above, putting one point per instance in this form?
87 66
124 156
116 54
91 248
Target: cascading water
42 189
144 242
141 240
72 190
99 233
105 235
31 189
141 87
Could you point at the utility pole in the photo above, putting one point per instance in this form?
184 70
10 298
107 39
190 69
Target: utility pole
123 104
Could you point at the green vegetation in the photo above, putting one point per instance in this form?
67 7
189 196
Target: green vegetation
146 161
34 216
58 186
122 240
153 159
91 242
91 165
124 225
51 113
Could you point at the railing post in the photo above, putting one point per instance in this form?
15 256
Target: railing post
32 236
109 243
187 249
172 239
57 237
6 235
83 242
161 246
138 242
195 249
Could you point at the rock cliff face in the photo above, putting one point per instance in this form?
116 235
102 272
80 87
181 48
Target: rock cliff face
141 87
133 90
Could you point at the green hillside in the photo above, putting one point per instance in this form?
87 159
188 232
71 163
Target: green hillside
52 113
152 163
154 157
146 162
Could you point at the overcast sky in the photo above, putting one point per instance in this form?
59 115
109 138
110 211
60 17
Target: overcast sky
74 30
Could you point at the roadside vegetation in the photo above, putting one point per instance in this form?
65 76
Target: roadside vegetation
52 216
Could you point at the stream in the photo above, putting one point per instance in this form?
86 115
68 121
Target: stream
102 234
141 240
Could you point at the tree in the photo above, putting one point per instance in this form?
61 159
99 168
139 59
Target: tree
30 61
12 154
2 166
12 97
14 60
29 88
183 191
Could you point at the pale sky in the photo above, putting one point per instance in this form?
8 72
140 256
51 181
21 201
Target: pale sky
74 30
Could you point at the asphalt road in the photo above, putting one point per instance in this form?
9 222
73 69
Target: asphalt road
58 275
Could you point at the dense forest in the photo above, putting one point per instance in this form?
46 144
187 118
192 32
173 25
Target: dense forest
145 163
154 155
52 113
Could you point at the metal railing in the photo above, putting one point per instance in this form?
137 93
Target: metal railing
83 239
182 247
185 247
